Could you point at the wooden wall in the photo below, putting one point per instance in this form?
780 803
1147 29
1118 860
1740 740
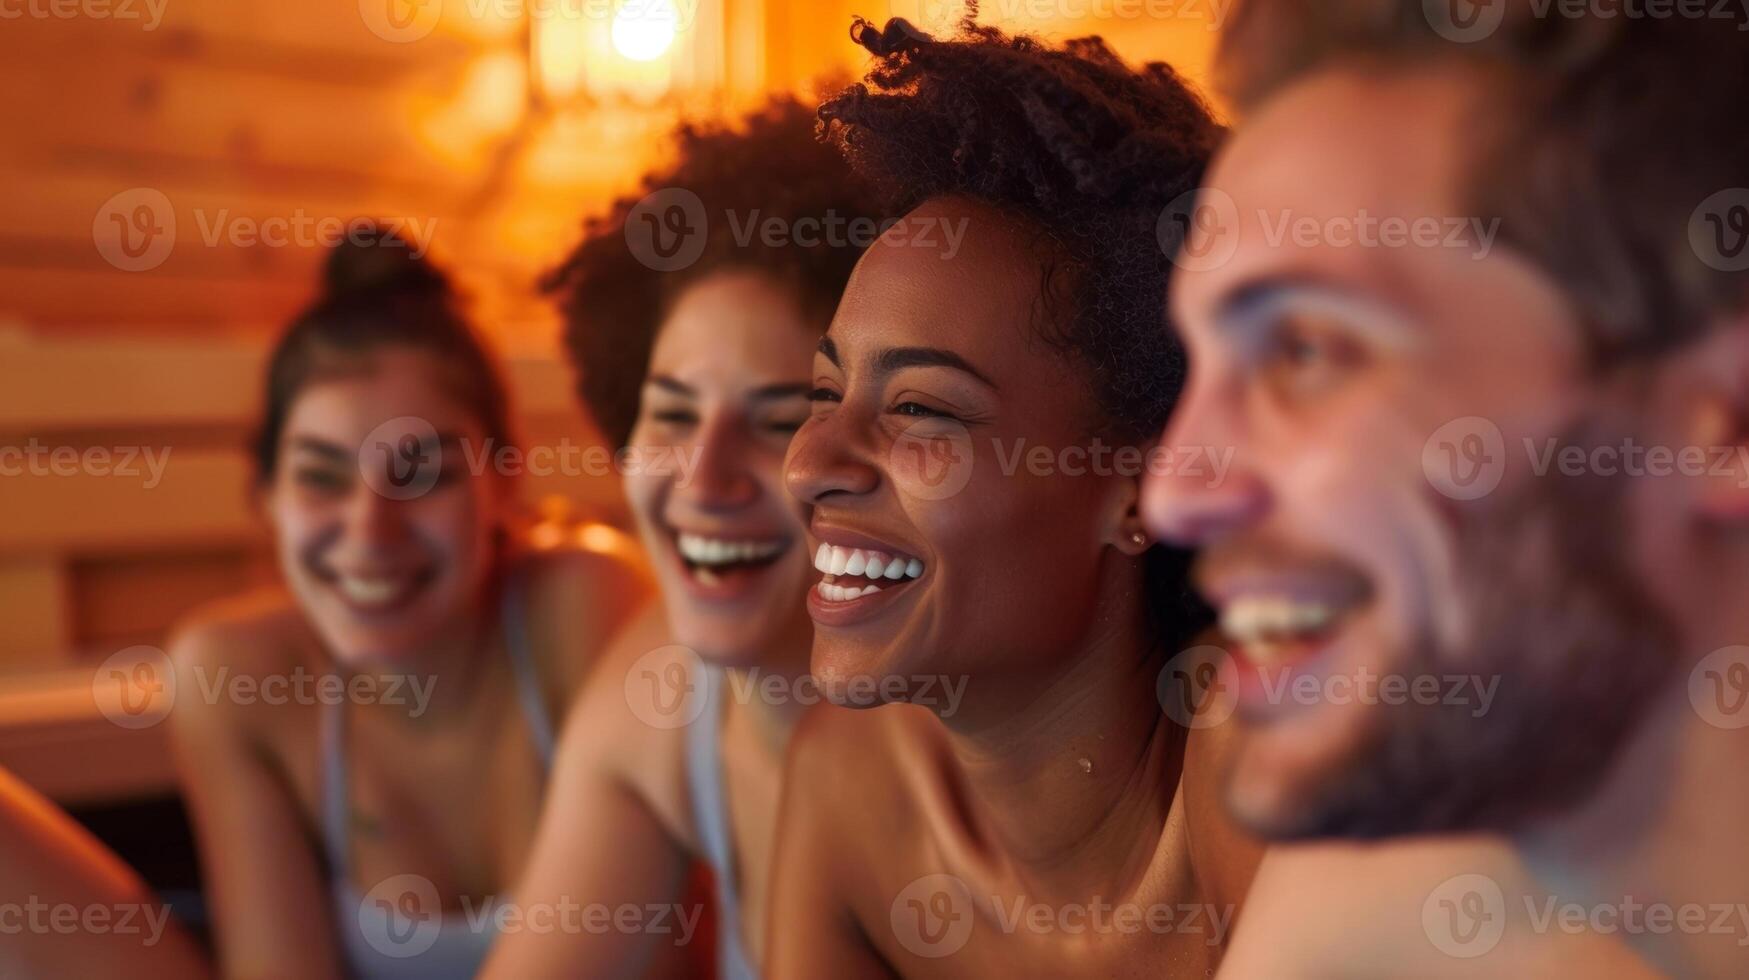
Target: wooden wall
237 118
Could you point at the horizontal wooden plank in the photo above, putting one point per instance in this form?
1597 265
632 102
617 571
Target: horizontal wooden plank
134 105
129 497
333 33
69 385
54 738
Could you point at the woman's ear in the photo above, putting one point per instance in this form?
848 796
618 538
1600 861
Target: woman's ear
1126 532
1716 420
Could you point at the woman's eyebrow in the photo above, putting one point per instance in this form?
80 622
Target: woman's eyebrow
782 389
667 383
897 358
320 447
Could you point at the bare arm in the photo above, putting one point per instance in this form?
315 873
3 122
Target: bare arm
264 880
49 863
605 843
812 929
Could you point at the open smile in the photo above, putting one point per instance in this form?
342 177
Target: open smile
721 567
377 592
859 577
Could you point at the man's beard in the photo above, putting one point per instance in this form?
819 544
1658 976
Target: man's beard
1581 650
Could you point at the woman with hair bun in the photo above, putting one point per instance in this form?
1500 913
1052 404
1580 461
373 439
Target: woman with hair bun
365 750
981 418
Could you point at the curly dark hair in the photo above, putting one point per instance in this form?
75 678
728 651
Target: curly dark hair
769 167
1093 154
1088 150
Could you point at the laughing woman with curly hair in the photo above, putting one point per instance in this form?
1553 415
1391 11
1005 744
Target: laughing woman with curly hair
1053 819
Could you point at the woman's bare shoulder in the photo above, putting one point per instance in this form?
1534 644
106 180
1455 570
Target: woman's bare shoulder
579 599
870 768
628 722
259 630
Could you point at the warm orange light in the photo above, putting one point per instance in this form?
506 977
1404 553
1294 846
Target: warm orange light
494 92
644 30
561 55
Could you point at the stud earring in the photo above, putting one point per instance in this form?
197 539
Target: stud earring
1138 537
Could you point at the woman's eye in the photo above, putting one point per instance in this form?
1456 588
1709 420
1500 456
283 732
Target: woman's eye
322 481
675 417
784 427
918 411
824 395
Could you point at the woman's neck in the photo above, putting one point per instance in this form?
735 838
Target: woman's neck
774 695
1070 783
452 676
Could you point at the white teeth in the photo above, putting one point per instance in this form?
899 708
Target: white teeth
841 593
369 591
1257 620
701 550
833 560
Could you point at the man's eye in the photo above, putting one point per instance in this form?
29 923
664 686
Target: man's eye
1306 360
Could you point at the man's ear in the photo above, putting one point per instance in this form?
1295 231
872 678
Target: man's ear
1125 531
1717 421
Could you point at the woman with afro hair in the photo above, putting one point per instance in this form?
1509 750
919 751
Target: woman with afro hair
1027 801
692 316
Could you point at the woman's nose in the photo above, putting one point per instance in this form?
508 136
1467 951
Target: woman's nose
722 476
825 460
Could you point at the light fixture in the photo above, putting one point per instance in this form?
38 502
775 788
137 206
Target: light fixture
644 30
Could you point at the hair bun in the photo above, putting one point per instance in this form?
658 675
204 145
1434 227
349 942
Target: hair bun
899 36
372 258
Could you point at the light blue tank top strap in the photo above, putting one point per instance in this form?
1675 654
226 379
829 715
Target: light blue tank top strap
710 814
376 942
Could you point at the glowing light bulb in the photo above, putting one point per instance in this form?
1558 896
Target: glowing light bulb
644 30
